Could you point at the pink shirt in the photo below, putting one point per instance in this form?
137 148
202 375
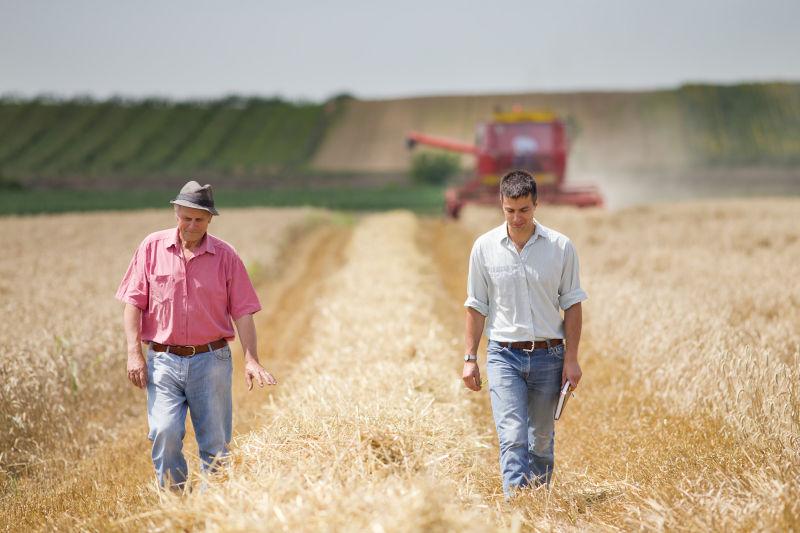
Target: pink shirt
187 302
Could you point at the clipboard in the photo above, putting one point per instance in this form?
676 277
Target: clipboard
562 400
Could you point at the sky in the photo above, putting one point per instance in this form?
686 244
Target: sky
309 50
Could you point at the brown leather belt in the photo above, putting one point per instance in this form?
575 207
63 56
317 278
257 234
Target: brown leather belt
531 345
188 351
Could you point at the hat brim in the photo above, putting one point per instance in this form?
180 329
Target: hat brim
186 203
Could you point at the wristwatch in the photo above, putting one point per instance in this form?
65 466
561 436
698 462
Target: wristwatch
470 357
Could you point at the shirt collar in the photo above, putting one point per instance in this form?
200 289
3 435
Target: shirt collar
206 245
501 233
175 241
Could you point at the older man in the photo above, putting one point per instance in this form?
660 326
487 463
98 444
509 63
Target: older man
521 275
181 290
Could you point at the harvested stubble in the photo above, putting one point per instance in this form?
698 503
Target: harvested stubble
686 419
689 412
62 355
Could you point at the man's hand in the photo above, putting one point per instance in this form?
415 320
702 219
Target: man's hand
137 369
471 376
253 371
571 372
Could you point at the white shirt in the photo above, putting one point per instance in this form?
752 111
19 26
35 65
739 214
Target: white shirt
520 293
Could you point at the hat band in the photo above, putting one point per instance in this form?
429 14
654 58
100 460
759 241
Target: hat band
205 202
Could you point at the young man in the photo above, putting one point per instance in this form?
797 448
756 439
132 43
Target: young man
521 274
182 290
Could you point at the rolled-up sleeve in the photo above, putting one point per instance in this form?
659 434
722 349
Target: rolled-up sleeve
477 284
569 290
134 288
242 298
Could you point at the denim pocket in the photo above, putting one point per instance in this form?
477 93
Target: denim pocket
494 352
557 352
223 354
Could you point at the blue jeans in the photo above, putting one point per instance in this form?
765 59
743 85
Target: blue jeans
201 384
524 388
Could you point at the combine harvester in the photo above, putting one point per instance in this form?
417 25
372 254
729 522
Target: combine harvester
532 141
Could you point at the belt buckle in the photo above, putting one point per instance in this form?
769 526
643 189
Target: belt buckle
194 351
533 347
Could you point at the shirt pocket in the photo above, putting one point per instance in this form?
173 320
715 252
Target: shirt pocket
161 288
504 280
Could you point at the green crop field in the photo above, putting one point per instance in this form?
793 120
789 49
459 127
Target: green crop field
423 199
45 142
742 124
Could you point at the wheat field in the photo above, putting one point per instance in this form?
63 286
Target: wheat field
687 417
64 391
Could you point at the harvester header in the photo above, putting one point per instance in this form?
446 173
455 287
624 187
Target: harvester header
524 116
534 141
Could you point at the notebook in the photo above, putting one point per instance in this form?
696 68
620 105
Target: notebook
562 400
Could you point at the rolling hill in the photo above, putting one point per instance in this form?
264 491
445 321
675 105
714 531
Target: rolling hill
731 139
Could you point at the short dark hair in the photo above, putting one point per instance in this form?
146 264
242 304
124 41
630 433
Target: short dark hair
518 184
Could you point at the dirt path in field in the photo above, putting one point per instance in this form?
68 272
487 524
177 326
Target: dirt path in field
114 479
289 308
448 245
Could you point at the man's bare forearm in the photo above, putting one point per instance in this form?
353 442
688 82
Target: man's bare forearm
253 371
474 331
573 322
132 323
246 327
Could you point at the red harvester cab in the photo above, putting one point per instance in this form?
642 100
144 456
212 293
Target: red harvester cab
534 141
